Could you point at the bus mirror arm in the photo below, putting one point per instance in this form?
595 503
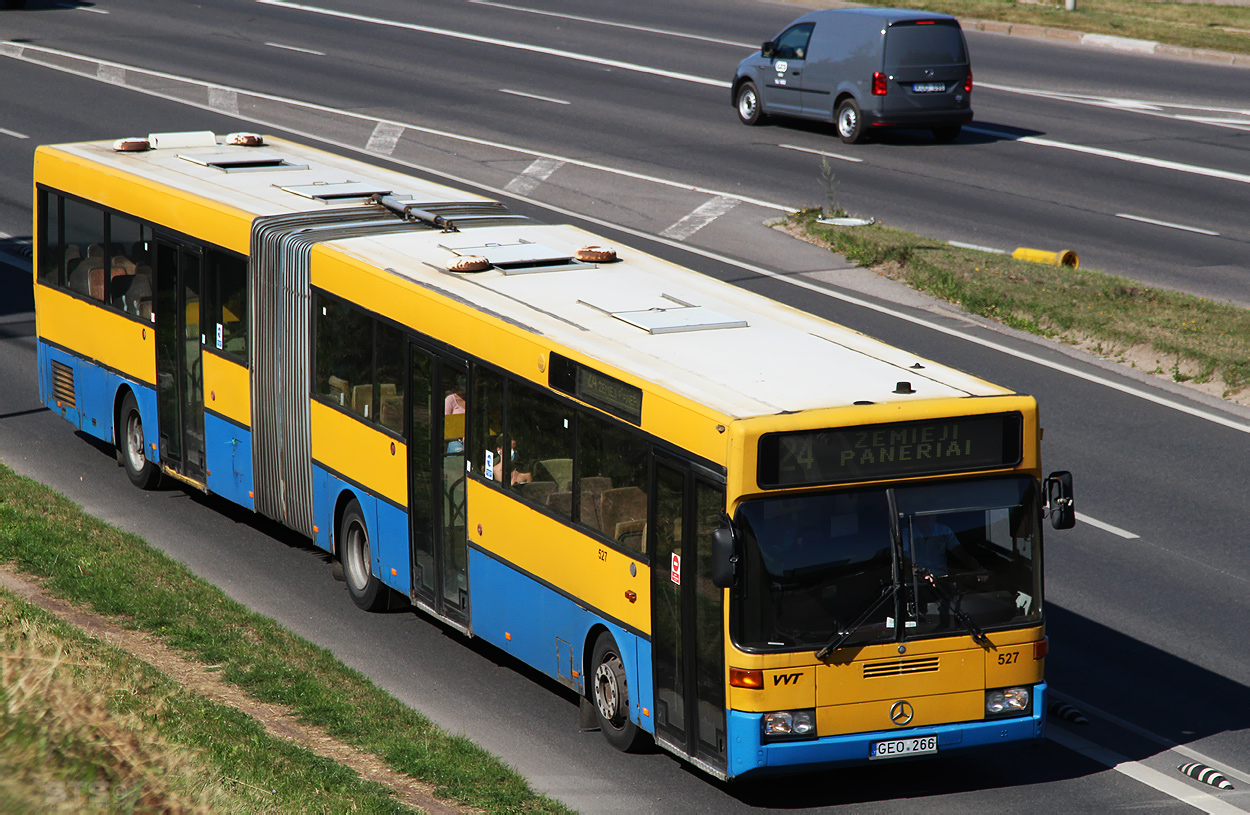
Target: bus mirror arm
724 557
1060 506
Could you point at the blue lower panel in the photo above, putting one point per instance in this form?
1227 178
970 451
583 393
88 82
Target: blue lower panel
228 458
747 754
95 392
549 631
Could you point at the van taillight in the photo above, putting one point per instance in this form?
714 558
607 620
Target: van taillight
968 83
879 86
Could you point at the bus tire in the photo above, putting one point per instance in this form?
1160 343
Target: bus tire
356 555
610 696
132 447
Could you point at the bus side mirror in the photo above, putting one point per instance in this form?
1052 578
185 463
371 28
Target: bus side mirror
724 559
1059 503
768 49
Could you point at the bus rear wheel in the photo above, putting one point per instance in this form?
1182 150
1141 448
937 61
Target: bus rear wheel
132 447
366 591
610 695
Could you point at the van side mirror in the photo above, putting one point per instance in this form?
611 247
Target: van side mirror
768 49
724 558
1059 504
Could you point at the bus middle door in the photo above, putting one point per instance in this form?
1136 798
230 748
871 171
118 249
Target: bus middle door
179 367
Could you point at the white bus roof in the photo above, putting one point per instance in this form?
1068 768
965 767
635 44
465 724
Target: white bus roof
736 352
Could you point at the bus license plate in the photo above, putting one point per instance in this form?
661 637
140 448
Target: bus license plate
904 747
929 87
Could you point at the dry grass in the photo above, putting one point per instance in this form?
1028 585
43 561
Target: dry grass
71 737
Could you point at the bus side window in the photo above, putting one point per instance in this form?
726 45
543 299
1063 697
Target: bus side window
390 357
612 480
344 344
52 257
84 248
129 278
227 316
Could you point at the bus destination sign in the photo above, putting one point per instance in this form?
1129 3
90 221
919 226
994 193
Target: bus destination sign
896 450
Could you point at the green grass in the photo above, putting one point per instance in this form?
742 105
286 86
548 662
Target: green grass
1186 338
1189 25
114 573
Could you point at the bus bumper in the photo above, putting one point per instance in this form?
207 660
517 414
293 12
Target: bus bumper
749 755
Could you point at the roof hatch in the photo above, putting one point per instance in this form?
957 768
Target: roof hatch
672 319
337 190
242 161
522 257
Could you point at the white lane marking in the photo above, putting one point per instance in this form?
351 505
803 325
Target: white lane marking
1225 117
529 179
1139 772
111 74
535 49
1115 154
384 138
535 96
1168 224
223 100
19 51
702 215
594 21
1162 741
296 48
1105 527
13 133
82 8
820 153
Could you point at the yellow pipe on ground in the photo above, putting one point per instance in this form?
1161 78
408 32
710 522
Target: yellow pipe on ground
1064 258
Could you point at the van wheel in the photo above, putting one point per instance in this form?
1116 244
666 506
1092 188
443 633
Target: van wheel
132 450
611 697
947 133
749 112
366 591
850 124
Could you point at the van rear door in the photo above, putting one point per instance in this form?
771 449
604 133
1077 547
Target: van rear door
927 62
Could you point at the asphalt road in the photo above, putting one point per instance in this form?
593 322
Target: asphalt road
1148 630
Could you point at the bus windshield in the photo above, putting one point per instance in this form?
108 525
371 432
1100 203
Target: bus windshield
954 557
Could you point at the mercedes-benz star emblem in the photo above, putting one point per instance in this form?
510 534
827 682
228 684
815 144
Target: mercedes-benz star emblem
901 713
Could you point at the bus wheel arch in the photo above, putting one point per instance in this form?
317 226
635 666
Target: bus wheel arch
355 553
608 692
132 444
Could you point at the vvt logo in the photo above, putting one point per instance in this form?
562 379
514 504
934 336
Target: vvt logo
786 679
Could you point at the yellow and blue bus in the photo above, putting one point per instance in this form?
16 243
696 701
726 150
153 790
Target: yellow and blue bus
766 541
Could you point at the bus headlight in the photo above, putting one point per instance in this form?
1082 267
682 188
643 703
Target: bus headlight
789 724
1007 702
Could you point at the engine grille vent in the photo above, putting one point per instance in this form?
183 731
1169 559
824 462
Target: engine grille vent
900 667
63 384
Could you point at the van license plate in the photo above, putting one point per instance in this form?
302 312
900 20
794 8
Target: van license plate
929 87
904 747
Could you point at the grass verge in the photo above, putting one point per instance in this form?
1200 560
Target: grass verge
59 688
1189 25
1185 338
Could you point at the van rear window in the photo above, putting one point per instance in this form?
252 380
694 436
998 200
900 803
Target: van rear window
908 44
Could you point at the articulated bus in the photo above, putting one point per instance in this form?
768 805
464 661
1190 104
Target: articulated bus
768 542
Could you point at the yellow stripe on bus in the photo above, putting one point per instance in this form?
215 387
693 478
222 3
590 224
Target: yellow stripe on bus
108 337
361 452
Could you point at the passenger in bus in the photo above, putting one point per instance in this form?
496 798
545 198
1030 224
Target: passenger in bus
935 546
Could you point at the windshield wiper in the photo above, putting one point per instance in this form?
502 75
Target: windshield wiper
842 636
978 635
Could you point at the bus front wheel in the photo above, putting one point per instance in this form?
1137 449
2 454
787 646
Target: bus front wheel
610 695
142 473
356 555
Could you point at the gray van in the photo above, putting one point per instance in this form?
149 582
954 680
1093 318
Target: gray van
863 69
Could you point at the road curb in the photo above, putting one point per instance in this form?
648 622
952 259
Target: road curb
1108 41
1074 37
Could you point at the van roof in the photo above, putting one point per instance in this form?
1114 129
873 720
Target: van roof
889 15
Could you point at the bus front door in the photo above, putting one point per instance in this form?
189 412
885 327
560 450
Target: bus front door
436 489
687 619
179 369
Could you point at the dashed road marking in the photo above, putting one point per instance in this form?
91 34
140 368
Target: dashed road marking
1105 527
384 138
702 216
529 179
1168 224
